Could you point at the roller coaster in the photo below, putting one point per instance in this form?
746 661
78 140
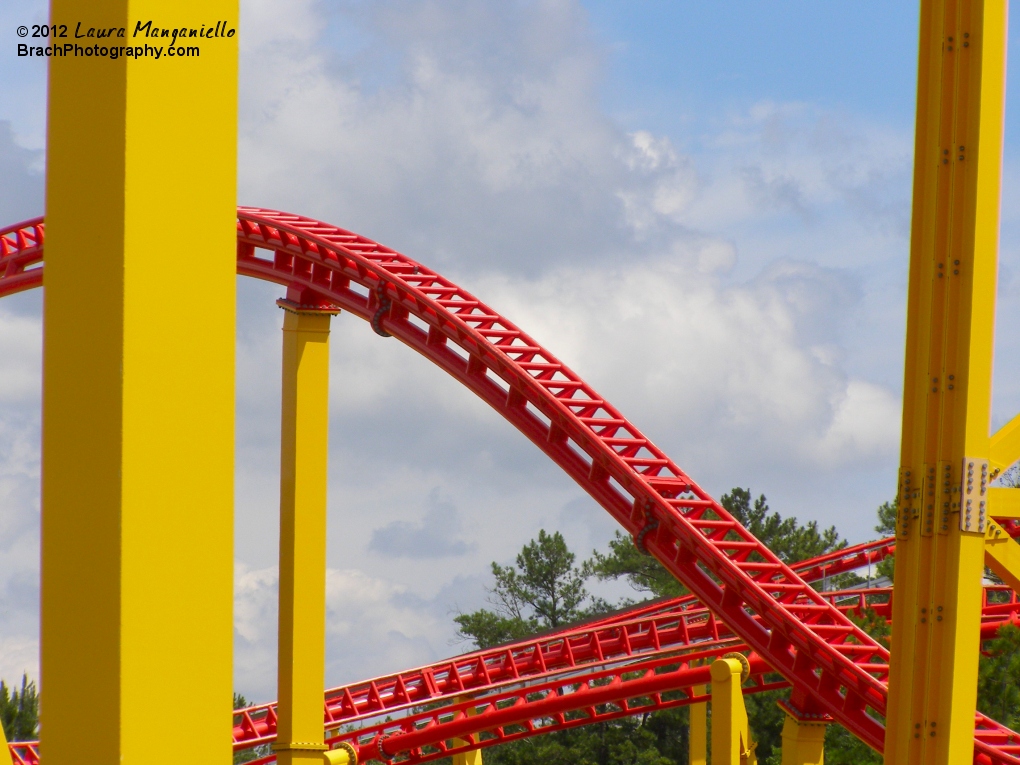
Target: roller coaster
745 599
136 542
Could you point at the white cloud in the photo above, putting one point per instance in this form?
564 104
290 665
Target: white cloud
434 536
484 148
21 193
372 627
20 370
824 173
866 420
19 655
704 366
21 352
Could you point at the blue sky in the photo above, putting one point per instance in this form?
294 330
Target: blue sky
701 207
681 62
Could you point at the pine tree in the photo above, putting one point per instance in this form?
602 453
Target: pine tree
543 590
19 710
999 677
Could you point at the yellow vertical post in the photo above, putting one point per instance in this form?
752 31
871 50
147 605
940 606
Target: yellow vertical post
5 749
698 731
803 742
731 739
473 757
138 385
303 477
947 383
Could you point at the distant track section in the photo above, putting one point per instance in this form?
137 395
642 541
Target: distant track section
674 623
651 650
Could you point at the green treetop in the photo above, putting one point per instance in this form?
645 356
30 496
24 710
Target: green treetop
19 710
544 590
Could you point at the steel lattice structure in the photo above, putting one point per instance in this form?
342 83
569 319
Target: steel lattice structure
834 667
655 651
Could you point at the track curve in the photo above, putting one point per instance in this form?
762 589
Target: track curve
831 663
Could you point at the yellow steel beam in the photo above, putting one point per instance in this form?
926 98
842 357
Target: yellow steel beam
1002 554
944 463
473 757
803 742
731 739
698 730
344 754
138 388
5 750
1003 502
303 476
1004 448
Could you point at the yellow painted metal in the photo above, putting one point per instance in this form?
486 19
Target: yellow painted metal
803 742
1002 554
303 477
947 382
138 391
1004 448
5 751
1003 502
468 758
698 731
473 757
731 739
344 754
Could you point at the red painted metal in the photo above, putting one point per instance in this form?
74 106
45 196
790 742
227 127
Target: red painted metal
25 752
541 708
664 624
831 663
425 734
557 702
632 649
21 252
782 618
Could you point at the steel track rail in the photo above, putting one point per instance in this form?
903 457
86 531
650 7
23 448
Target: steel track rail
833 665
1001 607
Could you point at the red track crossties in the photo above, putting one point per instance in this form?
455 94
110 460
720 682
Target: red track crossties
836 668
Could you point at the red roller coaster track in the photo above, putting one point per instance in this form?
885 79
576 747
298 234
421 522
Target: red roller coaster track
664 625
642 632
833 666
658 652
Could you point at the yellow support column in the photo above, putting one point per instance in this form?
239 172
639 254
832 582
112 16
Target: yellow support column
731 739
5 749
473 757
1002 554
944 463
468 758
803 742
303 478
138 387
698 732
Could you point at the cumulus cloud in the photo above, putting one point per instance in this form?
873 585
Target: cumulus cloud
703 366
485 148
372 627
435 536
19 655
20 349
21 193
826 174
